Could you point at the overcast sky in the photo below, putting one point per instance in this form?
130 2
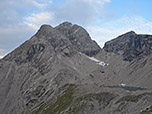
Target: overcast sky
103 19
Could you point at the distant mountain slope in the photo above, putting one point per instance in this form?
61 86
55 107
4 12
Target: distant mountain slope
131 45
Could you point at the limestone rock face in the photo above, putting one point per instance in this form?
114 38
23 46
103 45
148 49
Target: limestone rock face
131 45
79 38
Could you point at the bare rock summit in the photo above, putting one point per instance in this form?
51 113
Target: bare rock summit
130 45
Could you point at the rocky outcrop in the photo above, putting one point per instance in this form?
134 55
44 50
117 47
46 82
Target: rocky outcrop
130 45
79 38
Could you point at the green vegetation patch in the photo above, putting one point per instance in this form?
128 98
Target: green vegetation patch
85 101
105 98
147 110
61 104
67 101
132 98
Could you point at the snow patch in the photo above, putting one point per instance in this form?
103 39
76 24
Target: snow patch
122 84
94 59
102 63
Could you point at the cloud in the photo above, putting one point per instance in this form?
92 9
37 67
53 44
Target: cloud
37 19
23 4
39 5
107 0
14 11
81 12
107 31
97 1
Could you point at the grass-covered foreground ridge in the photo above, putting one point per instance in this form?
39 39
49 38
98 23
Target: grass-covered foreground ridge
147 110
60 104
71 102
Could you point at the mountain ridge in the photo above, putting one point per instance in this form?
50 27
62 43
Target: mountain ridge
131 45
57 38
61 70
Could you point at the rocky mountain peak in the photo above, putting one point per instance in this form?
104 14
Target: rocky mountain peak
65 24
45 27
130 45
130 33
44 30
79 38
65 39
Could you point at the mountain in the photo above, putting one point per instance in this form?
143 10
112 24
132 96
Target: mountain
61 70
131 45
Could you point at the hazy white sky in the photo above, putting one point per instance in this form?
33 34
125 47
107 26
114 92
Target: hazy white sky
103 19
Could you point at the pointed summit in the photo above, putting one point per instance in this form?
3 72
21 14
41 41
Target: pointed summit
128 34
45 26
44 29
65 24
131 33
